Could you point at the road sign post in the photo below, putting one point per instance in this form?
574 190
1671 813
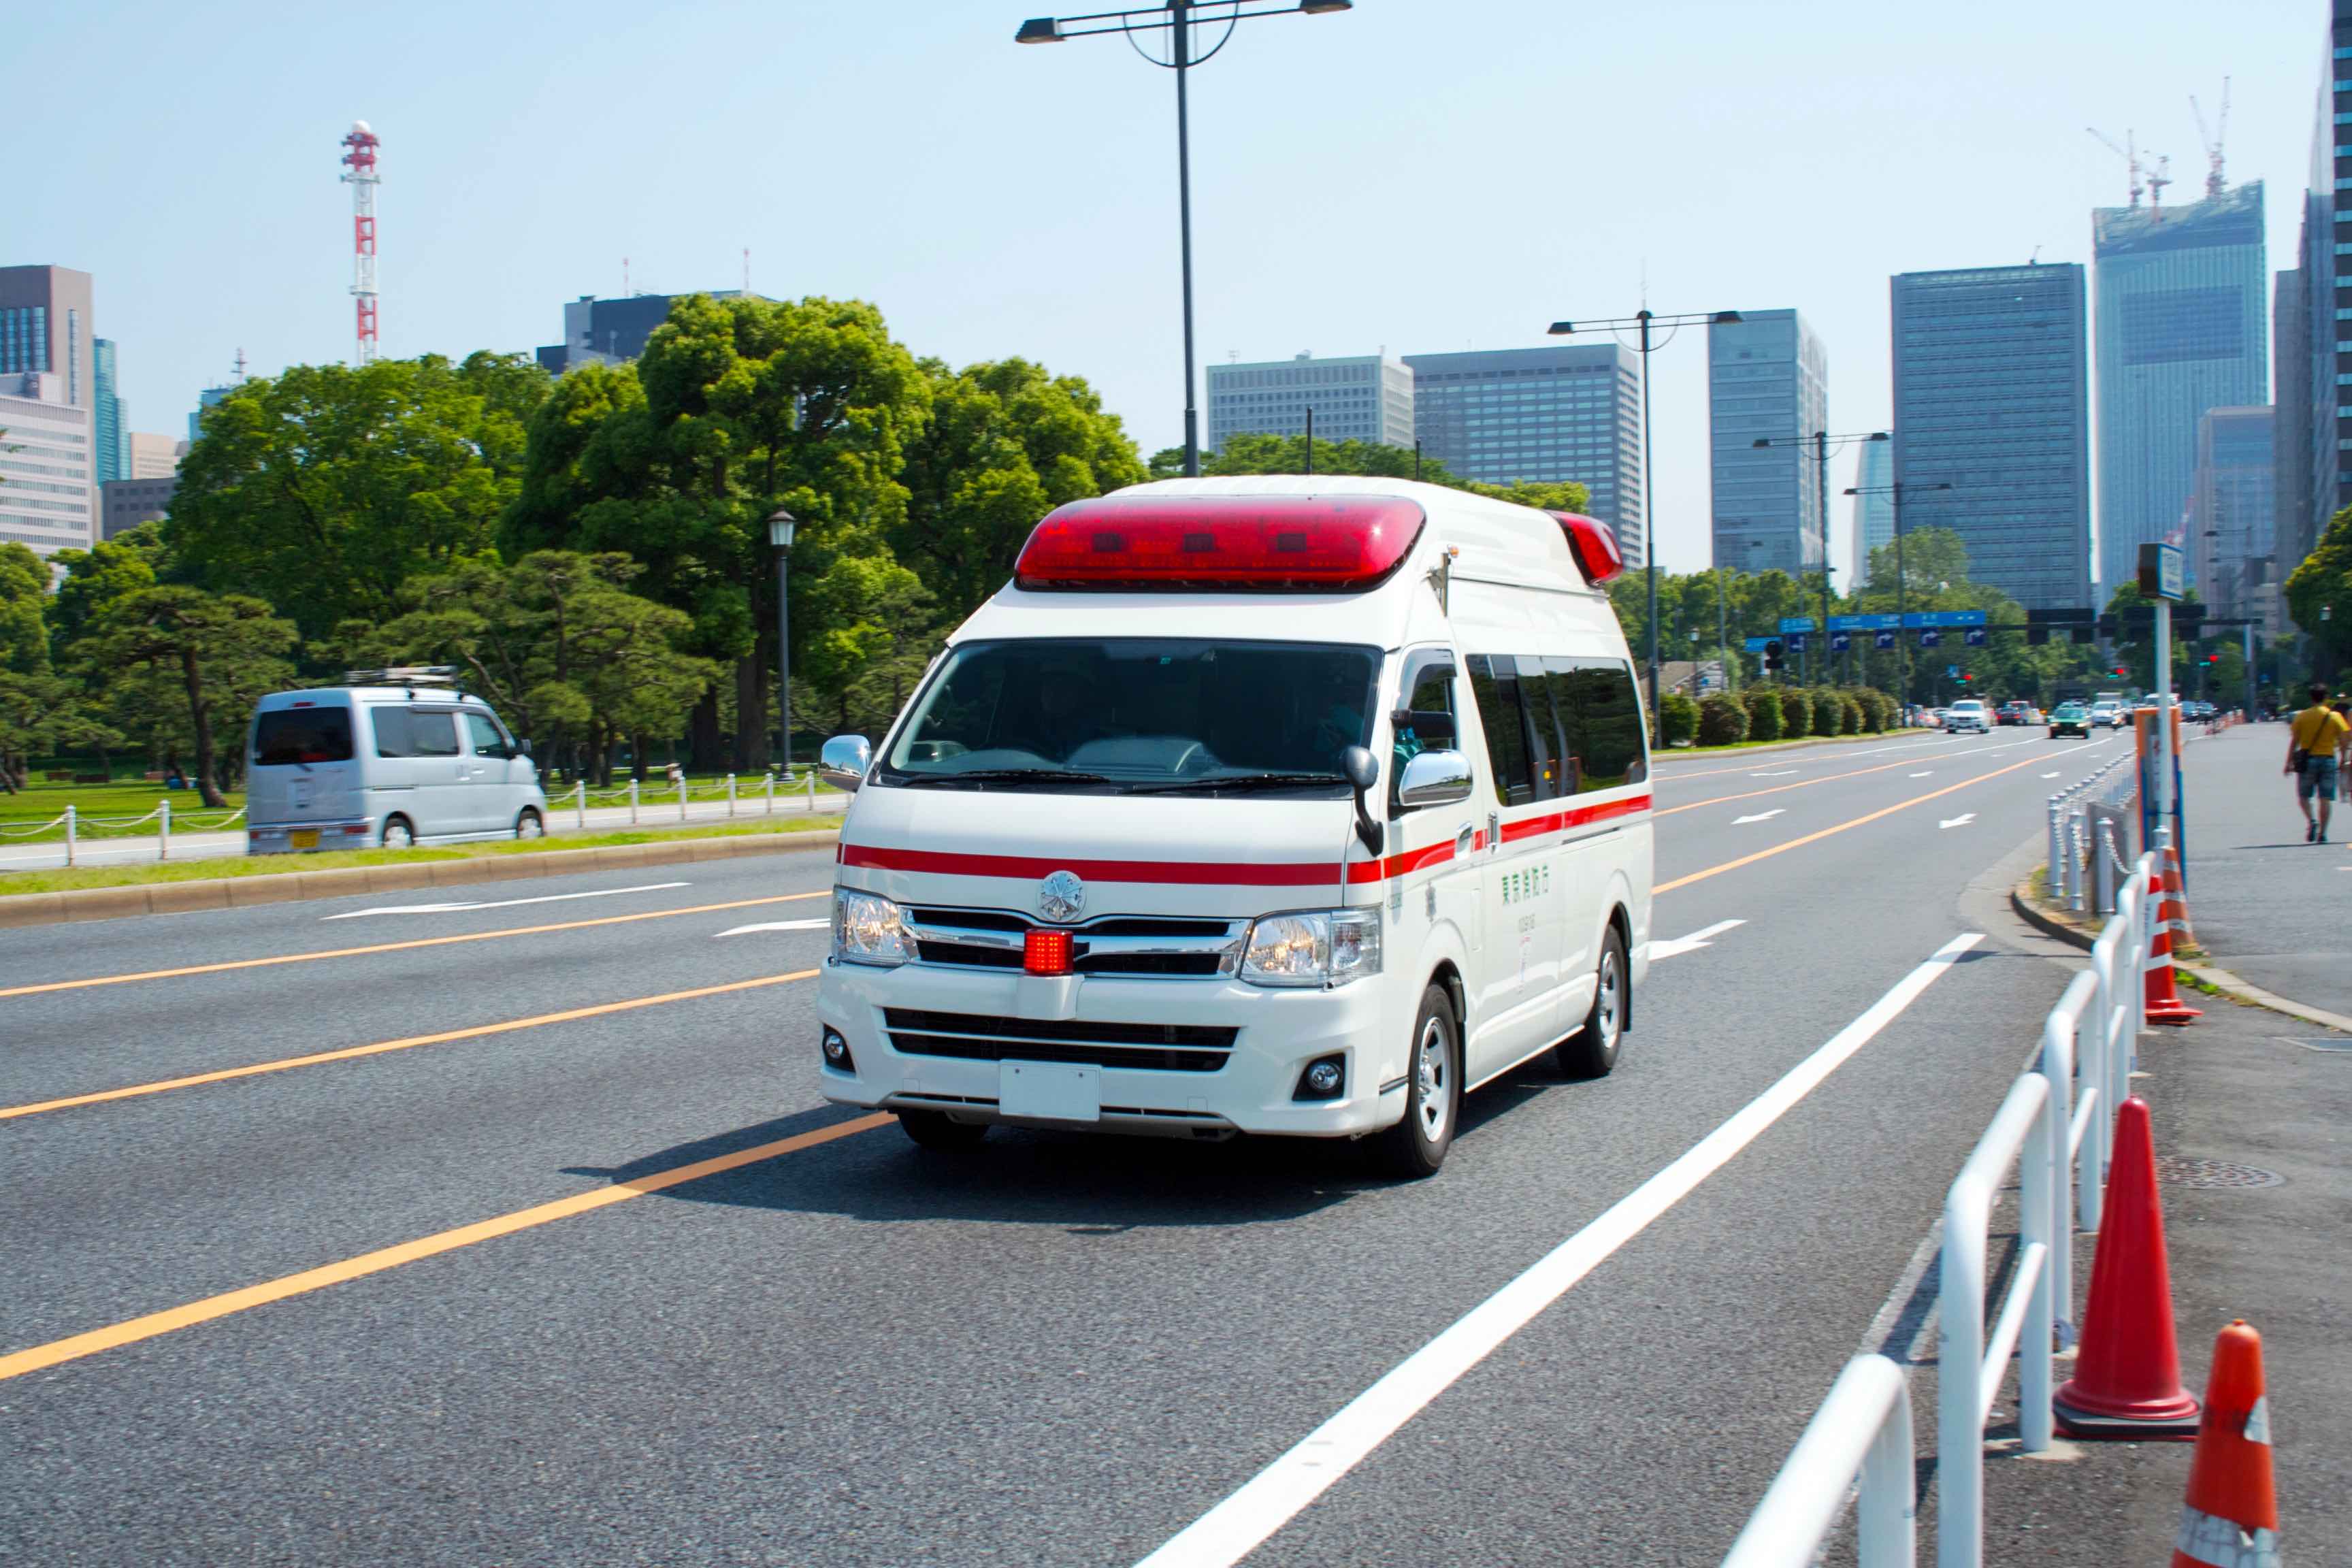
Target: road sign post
2161 577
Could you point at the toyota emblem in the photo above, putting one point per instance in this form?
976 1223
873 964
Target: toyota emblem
1060 896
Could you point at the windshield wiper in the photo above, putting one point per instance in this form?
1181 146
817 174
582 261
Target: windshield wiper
1006 775
1236 782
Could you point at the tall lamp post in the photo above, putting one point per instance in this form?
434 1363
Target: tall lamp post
1823 444
780 524
1644 319
1901 582
1177 16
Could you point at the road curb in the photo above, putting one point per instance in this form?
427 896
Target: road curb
291 887
2220 980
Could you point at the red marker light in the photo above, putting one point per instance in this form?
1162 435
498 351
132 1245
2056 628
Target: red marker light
1302 543
1594 544
1046 951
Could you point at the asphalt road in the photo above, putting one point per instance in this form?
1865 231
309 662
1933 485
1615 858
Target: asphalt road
450 1301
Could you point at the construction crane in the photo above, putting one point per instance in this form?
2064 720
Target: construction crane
2129 153
2157 178
2214 183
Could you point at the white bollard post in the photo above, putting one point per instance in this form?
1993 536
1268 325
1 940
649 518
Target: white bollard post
772 792
812 789
730 794
681 796
633 801
70 832
580 804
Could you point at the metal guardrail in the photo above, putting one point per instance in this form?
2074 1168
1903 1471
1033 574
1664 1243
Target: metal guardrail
2072 841
2054 1127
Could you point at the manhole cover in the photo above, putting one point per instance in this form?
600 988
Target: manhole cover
2212 1173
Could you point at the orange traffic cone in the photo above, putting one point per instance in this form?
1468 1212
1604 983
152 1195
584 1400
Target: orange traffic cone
2127 1382
2175 910
2231 1517
2164 1003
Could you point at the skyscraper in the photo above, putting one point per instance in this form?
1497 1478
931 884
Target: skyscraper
2313 443
1991 398
2232 513
1360 397
45 325
112 445
2293 456
1874 507
1767 379
1542 416
2182 327
47 499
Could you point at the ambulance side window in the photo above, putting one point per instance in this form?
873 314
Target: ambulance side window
1495 687
1431 693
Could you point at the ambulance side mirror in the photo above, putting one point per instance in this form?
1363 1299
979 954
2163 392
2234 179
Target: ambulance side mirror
1362 770
844 760
1433 778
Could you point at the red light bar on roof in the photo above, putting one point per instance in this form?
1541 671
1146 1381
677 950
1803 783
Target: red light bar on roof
1594 544
1302 543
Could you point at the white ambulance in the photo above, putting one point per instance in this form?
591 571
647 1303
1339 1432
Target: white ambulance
1268 804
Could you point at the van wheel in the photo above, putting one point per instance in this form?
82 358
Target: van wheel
398 833
528 826
936 1130
1591 1051
1415 1147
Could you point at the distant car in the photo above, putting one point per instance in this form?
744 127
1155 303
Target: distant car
1968 716
2070 719
2107 715
2016 711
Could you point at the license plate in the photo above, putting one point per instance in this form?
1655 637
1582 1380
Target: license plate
303 839
1050 1091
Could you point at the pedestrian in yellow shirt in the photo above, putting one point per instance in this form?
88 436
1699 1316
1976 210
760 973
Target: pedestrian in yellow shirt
2315 737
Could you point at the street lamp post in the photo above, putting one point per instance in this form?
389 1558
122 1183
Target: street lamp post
1177 17
1823 444
1902 582
780 524
1644 319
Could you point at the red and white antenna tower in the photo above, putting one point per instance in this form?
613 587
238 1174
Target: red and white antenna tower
362 179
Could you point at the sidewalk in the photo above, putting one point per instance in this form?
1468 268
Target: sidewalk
2267 907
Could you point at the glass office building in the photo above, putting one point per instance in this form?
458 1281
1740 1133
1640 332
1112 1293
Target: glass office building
1355 397
1874 507
1567 412
2183 326
113 443
2232 513
1766 379
1992 398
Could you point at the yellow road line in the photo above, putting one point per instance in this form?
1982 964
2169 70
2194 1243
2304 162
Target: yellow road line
348 1053
1801 784
1835 828
153 1324
402 946
1763 758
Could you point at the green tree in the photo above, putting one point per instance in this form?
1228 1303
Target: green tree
175 652
327 488
2319 597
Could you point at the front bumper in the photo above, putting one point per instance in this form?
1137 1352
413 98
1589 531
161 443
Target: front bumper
280 838
1276 1034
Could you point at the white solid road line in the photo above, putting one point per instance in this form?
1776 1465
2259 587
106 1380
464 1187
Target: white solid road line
1923 773
1270 1498
1776 773
502 903
1676 947
818 924
1960 821
1759 817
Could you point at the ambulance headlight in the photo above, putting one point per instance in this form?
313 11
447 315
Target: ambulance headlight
867 929
1312 947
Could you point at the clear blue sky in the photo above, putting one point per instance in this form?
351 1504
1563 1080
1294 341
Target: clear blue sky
1422 175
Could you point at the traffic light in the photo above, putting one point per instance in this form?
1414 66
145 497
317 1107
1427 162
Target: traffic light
1773 651
1966 678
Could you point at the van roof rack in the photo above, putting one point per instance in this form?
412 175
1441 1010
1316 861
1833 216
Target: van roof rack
405 675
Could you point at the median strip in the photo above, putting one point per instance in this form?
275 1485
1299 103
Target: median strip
349 1053
235 964
156 1324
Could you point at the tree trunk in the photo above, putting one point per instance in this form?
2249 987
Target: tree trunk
637 758
750 714
200 718
703 753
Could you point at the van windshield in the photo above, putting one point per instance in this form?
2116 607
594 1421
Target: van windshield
1120 715
290 737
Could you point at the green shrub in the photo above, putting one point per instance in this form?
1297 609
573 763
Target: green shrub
1828 710
1877 709
1796 713
1722 722
1763 713
1850 714
1678 715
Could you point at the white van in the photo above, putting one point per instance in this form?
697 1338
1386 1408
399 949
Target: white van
402 758
1257 805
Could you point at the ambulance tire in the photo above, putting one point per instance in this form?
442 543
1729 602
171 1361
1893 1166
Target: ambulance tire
1591 1051
1415 1147
937 1131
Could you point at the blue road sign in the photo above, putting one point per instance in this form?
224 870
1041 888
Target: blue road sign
1884 638
1952 670
1755 645
1862 622
1945 618
1930 639
1975 638
1840 641
1796 642
1796 623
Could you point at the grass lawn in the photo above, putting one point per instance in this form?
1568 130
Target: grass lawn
41 800
61 879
